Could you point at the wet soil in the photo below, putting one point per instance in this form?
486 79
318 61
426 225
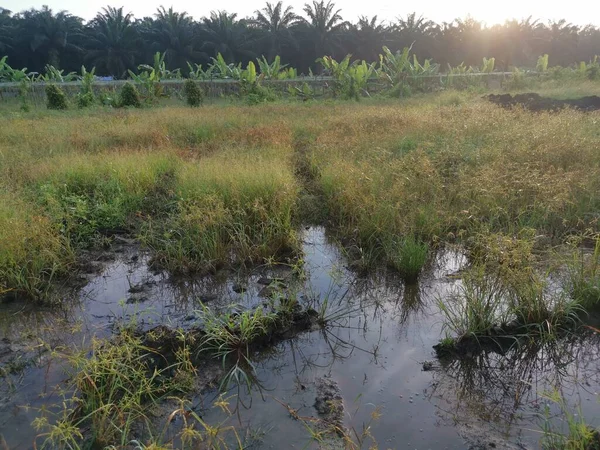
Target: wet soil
375 353
535 102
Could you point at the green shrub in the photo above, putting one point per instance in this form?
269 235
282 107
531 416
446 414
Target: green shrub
194 96
85 100
130 96
55 97
86 95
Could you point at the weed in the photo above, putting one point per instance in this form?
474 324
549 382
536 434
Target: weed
574 434
228 337
408 256
55 98
193 94
129 96
476 306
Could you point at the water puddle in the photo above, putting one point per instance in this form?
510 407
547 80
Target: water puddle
376 355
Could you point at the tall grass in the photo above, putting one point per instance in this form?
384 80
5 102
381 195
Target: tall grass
33 253
217 186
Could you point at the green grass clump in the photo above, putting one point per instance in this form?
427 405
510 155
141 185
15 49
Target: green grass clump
408 256
193 94
55 98
129 96
238 216
476 306
90 198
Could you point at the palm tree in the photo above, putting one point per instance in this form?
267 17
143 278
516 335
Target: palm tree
6 30
563 39
462 41
417 32
224 34
275 23
520 42
47 35
326 24
173 33
112 43
368 38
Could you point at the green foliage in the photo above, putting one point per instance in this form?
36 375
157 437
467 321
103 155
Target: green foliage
195 72
9 74
229 336
593 69
24 89
251 88
55 98
575 434
129 96
276 70
150 76
488 65
516 80
350 78
86 96
112 391
54 75
32 252
193 94
408 256
542 64
476 306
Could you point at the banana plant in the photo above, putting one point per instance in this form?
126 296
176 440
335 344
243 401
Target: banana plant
220 69
394 66
158 70
418 69
275 70
197 73
9 74
54 75
542 64
489 63
350 78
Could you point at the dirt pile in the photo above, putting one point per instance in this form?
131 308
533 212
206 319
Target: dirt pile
535 102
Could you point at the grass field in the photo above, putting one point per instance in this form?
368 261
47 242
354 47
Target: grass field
225 186
228 185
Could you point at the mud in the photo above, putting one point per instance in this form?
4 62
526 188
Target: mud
329 402
535 102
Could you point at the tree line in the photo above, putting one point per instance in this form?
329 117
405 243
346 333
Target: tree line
115 41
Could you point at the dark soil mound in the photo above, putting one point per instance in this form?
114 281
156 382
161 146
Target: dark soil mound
535 102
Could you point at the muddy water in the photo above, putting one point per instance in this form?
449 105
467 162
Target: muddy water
380 334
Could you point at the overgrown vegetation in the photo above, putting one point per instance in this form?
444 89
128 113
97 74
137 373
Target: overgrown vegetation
129 96
55 98
229 186
193 94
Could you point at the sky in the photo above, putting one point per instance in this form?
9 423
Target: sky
579 12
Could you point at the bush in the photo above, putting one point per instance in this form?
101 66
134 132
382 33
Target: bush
194 96
255 94
85 100
130 96
55 97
